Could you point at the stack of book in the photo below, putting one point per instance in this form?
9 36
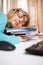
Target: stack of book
23 30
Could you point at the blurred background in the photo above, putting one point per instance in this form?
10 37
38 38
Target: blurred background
33 7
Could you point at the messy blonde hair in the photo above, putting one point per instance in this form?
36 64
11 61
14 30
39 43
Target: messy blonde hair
19 11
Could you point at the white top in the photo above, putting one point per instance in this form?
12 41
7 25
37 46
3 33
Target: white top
19 56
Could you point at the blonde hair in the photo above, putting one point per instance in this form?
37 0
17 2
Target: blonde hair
20 12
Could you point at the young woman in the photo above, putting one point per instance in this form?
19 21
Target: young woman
18 18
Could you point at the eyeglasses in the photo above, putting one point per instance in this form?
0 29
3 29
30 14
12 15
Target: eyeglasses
21 14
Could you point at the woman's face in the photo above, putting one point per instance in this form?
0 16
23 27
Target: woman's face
17 21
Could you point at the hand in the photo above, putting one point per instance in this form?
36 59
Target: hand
24 38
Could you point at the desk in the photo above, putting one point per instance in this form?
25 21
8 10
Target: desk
19 57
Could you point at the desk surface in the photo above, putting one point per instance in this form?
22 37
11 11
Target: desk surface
19 57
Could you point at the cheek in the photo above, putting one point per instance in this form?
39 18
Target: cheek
13 23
